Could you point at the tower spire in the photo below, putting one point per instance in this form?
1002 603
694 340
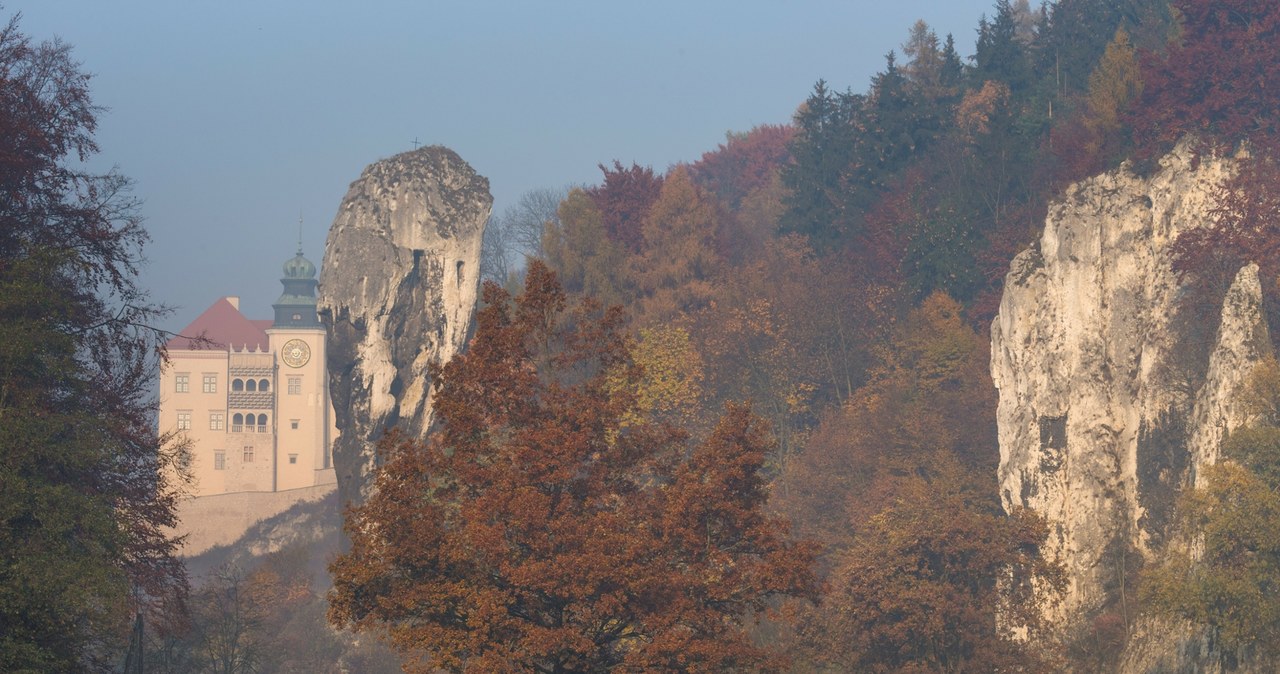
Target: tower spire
296 307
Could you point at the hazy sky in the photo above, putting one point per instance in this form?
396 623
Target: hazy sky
235 118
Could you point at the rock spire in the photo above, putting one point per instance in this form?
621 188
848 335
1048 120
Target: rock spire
398 288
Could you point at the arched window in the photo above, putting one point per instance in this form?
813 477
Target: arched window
237 384
251 385
238 419
264 385
262 423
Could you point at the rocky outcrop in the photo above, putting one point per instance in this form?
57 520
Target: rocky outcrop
1116 383
397 292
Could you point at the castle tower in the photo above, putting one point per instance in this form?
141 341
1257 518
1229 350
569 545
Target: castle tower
302 402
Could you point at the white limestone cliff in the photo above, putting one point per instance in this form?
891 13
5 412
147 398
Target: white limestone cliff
1115 384
398 288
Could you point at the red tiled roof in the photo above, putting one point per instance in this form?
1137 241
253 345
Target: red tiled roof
226 327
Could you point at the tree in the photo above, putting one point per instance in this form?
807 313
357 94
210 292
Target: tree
670 388
87 486
822 151
1095 137
516 234
497 250
744 163
678 259
936 582
528 218
924 57
1233 516
585 257
535 531
1000 54
1221 83
901 483
1219 86
1112 86
624 200
1077 33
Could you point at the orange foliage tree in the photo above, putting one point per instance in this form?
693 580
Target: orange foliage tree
901 483
536 531
678 262
934 583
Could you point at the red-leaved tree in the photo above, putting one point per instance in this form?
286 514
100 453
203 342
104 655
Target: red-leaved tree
624 200
745 162
1221 83
536 531
1221 86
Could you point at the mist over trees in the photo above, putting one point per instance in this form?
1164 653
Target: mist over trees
731 415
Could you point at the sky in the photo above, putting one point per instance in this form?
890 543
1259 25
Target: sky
236 119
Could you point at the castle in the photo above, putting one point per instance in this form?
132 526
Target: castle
251 396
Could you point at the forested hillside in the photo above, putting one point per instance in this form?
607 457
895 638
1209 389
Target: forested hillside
840 272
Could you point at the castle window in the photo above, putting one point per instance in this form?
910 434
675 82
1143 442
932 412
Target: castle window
293 458
210 383
184 421
262 423
251 386
217 421
264 385
237 385
248 454
293 423
219 460
237 423
295 386
182 382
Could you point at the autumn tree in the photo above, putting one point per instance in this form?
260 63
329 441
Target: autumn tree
770 335
581 253
924 57
1220 83
678 261
1228 583
936 582
1077 32
1096 137
929 393
670 387
744 163
901 483
535 531
1218 87
86 484
1113 86
624 199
